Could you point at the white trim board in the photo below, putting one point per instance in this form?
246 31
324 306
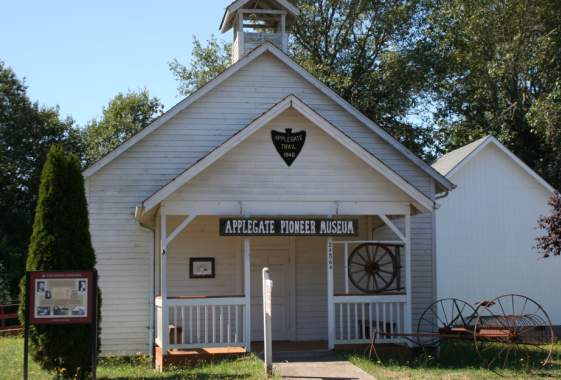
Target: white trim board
268 47
480 145
419 199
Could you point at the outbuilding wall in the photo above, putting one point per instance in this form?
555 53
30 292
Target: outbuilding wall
486 230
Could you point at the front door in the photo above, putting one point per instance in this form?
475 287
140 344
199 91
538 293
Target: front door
277 258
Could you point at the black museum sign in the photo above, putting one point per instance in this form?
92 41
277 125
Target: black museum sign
287 227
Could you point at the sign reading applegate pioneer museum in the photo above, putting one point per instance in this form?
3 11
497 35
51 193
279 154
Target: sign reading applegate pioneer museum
288 227
60 297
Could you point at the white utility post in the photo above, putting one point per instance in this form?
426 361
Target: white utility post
247 294
267 311
330 305
163 279
408 280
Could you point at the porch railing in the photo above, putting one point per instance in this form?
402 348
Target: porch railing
357 318
202 322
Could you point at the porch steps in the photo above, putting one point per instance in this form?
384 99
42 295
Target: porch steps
193 356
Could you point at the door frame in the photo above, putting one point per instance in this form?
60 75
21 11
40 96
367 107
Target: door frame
292 286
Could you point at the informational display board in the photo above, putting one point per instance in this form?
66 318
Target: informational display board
61 297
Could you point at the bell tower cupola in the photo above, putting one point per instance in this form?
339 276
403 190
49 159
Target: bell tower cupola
257 21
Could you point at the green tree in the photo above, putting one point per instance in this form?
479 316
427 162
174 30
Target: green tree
496 70
27 130
365 50
61 241
124 116
206 63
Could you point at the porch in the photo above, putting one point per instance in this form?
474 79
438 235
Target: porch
314 300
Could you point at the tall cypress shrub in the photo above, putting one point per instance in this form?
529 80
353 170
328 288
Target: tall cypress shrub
61 241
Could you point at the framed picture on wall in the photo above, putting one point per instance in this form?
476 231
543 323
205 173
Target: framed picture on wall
201 267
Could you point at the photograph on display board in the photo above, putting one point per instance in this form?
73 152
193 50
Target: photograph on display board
61 297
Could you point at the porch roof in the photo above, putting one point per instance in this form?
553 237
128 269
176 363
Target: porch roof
418 198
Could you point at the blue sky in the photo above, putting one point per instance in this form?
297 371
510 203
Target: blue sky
79 54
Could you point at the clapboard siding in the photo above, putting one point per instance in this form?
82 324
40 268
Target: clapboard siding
255 171
115 190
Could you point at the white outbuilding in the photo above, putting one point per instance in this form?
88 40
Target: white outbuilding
486 228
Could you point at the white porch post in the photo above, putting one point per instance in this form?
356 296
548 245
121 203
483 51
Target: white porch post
408 289
163 279
330 305
247 293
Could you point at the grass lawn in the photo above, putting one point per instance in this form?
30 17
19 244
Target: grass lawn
250 367
459 362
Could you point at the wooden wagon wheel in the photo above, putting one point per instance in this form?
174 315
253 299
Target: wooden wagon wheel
448 319
372 267
513 331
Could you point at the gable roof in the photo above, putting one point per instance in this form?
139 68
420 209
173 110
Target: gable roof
451 159
452 162
230 12
441 181
420 200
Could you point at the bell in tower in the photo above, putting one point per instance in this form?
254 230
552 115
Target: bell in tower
257 21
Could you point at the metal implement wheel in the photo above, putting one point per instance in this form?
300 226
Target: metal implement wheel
372 267
449 319
513 331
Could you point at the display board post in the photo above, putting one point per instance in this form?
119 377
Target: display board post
94 338
267 311
61 298
26 329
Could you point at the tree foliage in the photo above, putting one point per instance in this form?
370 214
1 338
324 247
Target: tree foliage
124 116
550 243
206 63
368 52
497 70
363 49
61 241
27 130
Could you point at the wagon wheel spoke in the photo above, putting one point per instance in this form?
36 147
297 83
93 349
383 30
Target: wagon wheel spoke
375 282
524 307
357 271
438 317
357 263
381 278
362 277
445 315
461 312
431 322
361 257
372 256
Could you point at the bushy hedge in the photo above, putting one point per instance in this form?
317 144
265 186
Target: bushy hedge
61 241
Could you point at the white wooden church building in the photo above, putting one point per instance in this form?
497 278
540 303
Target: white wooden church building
264 166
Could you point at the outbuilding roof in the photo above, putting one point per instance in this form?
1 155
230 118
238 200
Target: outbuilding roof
452 162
